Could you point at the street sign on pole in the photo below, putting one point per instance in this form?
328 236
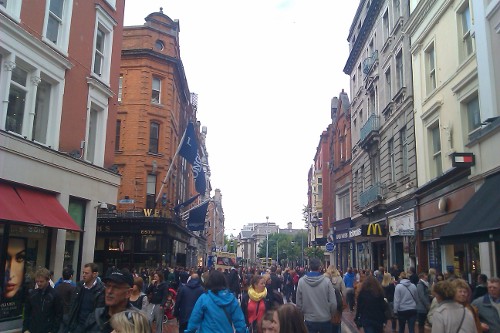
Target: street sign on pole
330 247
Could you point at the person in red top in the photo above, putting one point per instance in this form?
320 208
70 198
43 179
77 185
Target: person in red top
253 302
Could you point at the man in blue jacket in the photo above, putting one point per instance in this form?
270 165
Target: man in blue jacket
349 279
186 299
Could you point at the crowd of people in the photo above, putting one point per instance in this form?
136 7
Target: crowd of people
293 300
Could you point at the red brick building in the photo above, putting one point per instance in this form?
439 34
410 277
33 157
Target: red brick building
58 83
154 109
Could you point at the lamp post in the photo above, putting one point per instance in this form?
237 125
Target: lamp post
267 240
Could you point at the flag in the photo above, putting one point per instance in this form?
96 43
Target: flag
189 150
196 220
185 203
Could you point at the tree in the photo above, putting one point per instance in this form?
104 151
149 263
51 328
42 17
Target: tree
288 249
314 252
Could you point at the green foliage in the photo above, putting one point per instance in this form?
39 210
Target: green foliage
288 248
314 252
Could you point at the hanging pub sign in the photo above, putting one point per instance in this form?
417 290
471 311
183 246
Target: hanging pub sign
462 160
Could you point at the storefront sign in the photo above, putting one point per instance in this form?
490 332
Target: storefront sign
339 236
403 225
373 229
355 232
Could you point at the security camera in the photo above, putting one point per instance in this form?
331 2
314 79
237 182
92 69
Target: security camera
103 205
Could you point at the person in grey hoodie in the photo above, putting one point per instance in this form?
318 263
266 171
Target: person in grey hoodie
423 301
405 303
316 299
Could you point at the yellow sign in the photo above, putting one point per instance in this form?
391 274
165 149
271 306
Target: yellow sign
375 229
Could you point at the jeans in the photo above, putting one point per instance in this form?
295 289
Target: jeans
319 326
408 316
349 297
336 328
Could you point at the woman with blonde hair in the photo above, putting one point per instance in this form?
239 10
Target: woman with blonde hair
338 284
130 321
389 287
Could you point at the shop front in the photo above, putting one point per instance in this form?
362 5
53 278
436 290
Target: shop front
439 202
142 242
370 245
31 224
402 240
474 232
344 251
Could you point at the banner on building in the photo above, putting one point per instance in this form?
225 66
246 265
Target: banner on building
196 219
13 285
189 150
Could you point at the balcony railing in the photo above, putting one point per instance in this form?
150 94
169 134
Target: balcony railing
371 125
369 62
372 193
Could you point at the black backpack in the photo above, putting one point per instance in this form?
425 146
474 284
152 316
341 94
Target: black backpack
340 302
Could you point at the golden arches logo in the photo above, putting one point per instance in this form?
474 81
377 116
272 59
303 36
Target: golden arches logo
375 229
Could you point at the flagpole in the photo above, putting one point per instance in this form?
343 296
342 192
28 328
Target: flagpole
169 172
190 209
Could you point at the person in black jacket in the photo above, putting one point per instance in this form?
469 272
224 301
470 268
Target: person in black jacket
43 310
159 290
233 281
370 305
118 288
65 290
186 299
88 295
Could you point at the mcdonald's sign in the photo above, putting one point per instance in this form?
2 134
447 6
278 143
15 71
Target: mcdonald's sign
373 229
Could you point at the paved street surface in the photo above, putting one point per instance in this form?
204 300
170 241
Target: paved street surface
348 325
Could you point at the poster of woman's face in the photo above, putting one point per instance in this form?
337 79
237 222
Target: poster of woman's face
14 267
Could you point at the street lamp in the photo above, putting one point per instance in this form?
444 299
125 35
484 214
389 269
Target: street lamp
267 240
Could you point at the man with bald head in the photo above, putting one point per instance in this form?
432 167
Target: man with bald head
187 296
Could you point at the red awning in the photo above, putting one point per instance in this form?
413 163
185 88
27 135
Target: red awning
41 208
12 207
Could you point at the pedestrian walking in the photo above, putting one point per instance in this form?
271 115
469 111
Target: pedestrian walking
65 290
405 303
450 316
43 310
137 297
158 289
217 310
349 280
316 299
487 306
118 288
423 301
88 296
389 288
463 296
186 299
338 284
371 306
255 302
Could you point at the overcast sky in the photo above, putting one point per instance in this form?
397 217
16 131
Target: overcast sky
265 72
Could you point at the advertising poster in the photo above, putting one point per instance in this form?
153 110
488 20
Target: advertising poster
12 295
225 260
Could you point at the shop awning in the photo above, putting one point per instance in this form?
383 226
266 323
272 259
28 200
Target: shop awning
12 207
22 204
479 219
